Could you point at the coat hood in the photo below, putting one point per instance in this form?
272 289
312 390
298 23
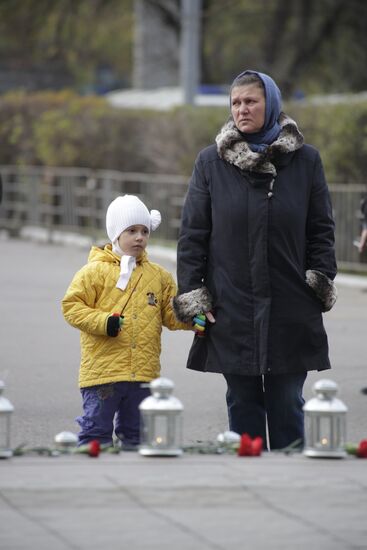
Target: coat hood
234 149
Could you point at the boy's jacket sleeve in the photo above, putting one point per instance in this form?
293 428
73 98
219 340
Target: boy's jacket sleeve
78 306
168 317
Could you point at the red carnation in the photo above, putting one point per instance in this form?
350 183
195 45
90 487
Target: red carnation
250 447
245 448
94 448
362 449
257 446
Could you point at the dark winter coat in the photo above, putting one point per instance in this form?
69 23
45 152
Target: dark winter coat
252 227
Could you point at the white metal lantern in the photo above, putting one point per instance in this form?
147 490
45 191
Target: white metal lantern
161 419
6 409
325 422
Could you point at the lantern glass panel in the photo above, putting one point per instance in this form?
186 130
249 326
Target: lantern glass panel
340 430
4 432
323 432
162 430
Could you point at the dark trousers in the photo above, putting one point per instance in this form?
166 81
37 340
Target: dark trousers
112 407
275 400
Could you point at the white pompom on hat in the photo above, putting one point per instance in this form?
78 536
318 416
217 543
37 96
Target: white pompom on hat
126 211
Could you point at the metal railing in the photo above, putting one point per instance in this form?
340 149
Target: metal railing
76 199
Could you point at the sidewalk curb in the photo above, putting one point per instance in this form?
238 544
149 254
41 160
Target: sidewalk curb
356 281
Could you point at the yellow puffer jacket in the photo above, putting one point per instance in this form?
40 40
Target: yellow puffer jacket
92 297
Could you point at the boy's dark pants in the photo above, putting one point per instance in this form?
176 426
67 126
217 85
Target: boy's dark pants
101 404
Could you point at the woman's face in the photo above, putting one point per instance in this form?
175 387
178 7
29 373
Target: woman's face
248 108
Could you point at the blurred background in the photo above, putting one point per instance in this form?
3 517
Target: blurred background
105 97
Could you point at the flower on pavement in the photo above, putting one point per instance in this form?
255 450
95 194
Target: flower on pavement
249 446
359 450
362 449
93 448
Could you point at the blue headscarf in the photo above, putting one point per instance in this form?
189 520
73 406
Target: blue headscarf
259 141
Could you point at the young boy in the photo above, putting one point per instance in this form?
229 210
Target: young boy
119 301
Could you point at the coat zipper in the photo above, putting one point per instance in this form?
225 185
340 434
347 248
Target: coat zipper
271 185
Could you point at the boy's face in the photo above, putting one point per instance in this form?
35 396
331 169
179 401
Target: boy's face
134 240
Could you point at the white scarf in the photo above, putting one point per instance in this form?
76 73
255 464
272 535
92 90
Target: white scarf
127 266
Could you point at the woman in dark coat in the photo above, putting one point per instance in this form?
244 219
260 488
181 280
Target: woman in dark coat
256 255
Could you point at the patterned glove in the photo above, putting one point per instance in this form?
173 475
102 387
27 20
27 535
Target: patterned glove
199 322
114 324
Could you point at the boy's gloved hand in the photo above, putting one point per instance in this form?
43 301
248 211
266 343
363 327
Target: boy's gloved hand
199 323
114 324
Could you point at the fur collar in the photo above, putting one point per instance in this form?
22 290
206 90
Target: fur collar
232 147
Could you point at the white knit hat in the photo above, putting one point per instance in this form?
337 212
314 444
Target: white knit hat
126 211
